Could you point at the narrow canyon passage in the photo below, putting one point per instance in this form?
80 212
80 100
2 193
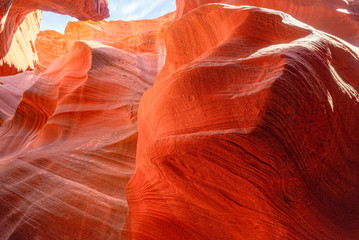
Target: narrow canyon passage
224 119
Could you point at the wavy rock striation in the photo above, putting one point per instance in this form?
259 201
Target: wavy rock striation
132 36
68 137
337 17
143 38
20 23
50 45
69 148
249 132
18 52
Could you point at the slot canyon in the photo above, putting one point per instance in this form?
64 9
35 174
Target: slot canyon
224 119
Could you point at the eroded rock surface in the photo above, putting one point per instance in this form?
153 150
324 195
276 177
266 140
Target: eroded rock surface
250 132
337 17
20 24
69 134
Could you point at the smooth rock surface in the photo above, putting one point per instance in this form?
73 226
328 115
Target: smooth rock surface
246 127
68 135
50 45
247 135
18 52
337 17
131 36
20 23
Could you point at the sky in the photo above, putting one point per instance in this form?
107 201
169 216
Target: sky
119 10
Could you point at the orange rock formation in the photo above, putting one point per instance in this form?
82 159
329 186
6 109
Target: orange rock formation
17 52
69 133
249 132
20 23
337 17
50 45
247 125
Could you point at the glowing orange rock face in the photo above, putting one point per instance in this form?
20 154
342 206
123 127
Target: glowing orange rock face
19 25
68 136
143 38
337 17
133 36
68 147
50 45
249 132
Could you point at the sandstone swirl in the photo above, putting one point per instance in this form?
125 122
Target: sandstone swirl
249 132
337 17
247 122
20 23
69 133
50 45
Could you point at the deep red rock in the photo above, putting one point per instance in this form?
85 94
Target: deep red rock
249 132
20 23
50 45
68 136
337 17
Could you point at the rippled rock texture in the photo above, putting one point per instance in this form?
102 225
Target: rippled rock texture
337 17
20 23
17 52
222 121
69 132
249 132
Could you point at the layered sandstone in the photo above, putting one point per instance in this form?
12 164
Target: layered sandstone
249 132
132 36
68 143
50 45
337 17
18 52
69 133
20 24
246 127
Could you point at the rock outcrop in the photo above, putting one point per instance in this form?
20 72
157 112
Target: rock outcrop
50 45
69 133
133 36
337 17
69 148
249 132
18 52
20 24
225 120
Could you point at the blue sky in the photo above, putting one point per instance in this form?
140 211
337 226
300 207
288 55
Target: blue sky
119 9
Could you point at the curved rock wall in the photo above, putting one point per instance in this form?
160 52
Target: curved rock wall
69 132
337 17
20 24
246 127
248 133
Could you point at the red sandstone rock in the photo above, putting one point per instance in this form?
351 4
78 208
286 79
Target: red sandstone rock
50 45
68 136
131 36
249 132
17 52
337 17
68 148
19 25
144 38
